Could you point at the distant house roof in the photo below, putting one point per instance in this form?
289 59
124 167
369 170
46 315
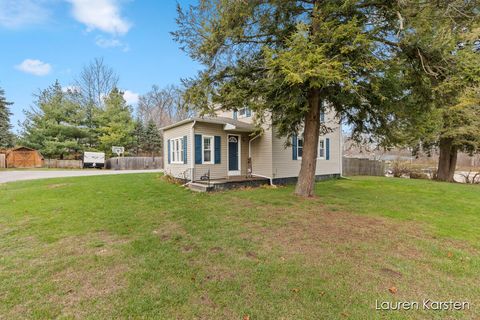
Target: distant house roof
230 124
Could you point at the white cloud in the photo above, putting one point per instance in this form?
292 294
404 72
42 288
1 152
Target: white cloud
130 97
111 43
103 15
20 13
35 67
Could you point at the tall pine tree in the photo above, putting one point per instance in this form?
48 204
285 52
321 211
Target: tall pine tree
53 125
153 140
115 123
6 136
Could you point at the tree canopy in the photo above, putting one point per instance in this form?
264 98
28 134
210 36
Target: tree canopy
53 125
116 124
288 59
6 136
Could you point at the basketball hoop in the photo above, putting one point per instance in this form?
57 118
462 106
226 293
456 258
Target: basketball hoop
118 150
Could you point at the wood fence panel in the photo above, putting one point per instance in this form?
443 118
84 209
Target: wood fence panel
134 163
63 164
363 167
2 161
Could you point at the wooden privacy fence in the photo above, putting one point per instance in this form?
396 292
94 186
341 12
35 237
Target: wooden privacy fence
2 160
62 164
363 167
134 163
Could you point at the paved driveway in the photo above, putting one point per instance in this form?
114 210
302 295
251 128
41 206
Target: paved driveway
9 176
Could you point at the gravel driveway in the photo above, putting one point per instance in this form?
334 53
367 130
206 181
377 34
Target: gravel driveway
10 176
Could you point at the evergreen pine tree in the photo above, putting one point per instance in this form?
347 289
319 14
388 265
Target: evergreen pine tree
115 123
53 125
138 137
6 136
153 140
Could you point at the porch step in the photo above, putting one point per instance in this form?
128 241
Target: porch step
199 187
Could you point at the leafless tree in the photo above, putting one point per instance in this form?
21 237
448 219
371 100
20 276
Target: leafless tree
163 105
95 81
471 177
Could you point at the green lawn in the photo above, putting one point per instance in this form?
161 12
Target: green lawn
136 246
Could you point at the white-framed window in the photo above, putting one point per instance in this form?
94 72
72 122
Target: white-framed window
207 149
321 149
176 150
321 152
299 147
244 112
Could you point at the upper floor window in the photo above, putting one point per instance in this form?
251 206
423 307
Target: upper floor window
244 112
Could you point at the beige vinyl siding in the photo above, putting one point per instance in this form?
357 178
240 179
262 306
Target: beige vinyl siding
176 169
217 171
220 171
262 154
224 113
284 166
229 114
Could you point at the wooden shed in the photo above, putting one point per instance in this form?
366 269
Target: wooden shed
23 157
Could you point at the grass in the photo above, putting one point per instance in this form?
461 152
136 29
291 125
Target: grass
136 246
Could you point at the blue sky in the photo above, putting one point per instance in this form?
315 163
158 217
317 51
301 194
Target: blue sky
45 40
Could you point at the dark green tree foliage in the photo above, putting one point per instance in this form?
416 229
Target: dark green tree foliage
153 140
115 123
138 137
285 58
453 122
6 136
53 125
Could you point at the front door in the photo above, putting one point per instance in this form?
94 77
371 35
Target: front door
233 155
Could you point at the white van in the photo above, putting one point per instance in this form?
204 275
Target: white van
93 159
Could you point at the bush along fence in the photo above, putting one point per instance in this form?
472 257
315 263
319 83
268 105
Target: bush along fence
134 163
62 164
363 167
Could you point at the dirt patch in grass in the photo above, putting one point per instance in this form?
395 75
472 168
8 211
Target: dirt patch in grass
97 271
315 232
83 270
170 231
98 243
367 254
57 185
76 286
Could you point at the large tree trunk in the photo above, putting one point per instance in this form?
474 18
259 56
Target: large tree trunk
306 178
447 161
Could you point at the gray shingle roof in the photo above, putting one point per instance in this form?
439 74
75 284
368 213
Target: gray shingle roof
239 125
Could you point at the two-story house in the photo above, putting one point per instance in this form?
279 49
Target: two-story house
226 147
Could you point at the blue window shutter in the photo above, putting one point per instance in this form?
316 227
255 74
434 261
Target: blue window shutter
217 149
294 147
322 116
327 149
235 115
168 144
248 112
198 149
185 149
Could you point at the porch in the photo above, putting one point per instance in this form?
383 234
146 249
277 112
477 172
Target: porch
232 182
